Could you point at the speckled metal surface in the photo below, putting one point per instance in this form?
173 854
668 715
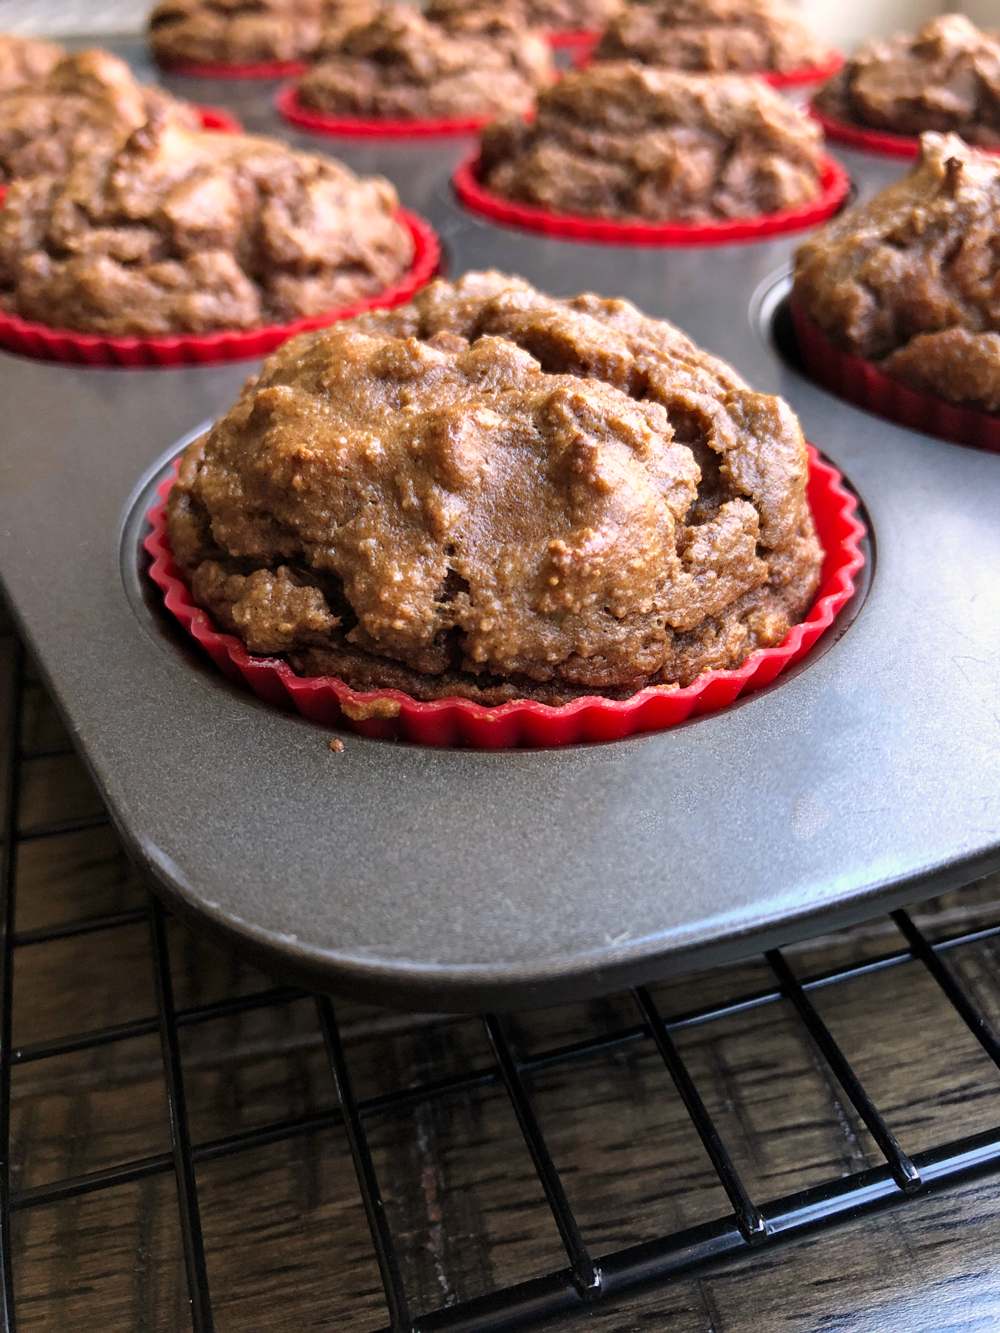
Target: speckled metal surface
453 879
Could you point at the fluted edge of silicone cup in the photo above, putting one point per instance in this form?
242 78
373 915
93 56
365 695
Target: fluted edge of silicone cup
878 142
319 122
573 39
43 343
835 185
330 702
223 69
861 382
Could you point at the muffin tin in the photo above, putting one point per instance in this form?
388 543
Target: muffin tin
866 778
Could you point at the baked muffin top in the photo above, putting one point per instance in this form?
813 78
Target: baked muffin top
712 35
182 231
89 102
234 31
402 66
947 78
909 279
25 60
337 19
627 140
498 494
553 15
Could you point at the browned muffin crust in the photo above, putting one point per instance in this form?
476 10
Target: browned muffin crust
910 279
945 78
712 36
625 140
401 66
498 494
553 15
181 231
234 31
89 103
26 60
338 18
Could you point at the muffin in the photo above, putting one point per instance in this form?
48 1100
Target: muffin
234 31
337 19
712 36
89 103
947 78
494 494
400 66
182 231
26 60
623 140
908 280
553 15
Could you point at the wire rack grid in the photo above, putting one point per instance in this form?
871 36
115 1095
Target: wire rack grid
746 1224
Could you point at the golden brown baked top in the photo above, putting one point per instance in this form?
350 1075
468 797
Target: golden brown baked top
496 493
945 78
402 66
25 60
712 35
235 31
628 140
553 15
180 230
89 102
911 279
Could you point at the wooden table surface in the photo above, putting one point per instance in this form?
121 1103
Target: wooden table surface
287 1244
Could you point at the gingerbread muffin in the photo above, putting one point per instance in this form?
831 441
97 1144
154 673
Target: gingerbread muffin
713 36
337 19
624 140
909 280
234 31
494 494
401 66
947 78
182 231
88 104
26 60
552 15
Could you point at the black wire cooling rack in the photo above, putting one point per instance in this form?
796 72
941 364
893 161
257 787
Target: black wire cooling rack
748 1225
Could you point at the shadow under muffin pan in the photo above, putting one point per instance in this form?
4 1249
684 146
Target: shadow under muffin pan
463 879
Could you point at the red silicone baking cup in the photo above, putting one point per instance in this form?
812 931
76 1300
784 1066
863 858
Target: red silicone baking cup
835 186
863 384
459 722
573 39
879 142
220 69
321 122
790 78
212 118
88 349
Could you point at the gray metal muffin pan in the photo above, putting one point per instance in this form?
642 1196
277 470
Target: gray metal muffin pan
456 880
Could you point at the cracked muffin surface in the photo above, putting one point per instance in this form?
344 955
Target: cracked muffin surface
25 60
623 140
713 36
553 15
495 494
403 66
235 31
87 104
946 78
910 279
183 231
